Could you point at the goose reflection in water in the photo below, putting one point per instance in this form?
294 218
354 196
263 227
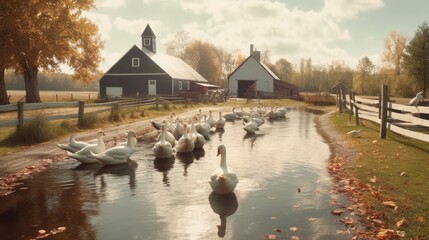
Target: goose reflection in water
224 205
164 166
221 131
186 159
119 170
199 153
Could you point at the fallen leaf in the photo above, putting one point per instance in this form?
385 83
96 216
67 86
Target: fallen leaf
294 238
347 221
386 234
421 219
293 229
337 212
391 204
274 218
269 237
298 189
312 219
400 223
342 232
373 179
41 231
277 230
402 174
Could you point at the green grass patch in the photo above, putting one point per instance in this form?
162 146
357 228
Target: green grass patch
400 166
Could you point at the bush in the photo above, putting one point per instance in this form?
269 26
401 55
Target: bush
34 131
90 120
321 99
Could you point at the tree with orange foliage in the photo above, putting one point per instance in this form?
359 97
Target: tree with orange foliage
42 34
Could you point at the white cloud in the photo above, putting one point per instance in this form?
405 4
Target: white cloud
135 27
109 3
347 9
103 23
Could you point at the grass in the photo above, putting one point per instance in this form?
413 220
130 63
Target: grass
397 168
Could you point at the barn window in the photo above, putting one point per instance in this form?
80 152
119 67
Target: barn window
180 85
188 86
146 42
135 62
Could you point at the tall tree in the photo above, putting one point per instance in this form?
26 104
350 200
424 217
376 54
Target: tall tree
202 57
364 68
416 57
48 33
176 46
284 69
394 47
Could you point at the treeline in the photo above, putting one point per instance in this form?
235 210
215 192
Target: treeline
50 81
404 67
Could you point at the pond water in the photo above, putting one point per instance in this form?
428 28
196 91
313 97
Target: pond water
284 185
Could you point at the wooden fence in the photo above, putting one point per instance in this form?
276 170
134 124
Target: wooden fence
77 109
402 119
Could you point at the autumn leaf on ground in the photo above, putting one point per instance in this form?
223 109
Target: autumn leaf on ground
277 230
270 237
400 223
373 179
421 219
293 229
337 212
347 221
386 234
391 204
312 219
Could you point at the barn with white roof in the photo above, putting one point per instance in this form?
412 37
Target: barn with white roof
144 72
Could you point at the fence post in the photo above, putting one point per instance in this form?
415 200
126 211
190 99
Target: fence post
351 102
156 101
384 100
356 110
80 112
20 116
340 101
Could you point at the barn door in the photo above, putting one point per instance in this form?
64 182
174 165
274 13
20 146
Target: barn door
151 90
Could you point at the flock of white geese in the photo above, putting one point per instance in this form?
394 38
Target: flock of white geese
178 136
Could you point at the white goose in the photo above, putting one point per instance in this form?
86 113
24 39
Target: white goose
223 180
163 148
74 146
204 128
178 130
185 143
168 136
118 154
198 139
220 122
210 120
251 126
231 116
84 155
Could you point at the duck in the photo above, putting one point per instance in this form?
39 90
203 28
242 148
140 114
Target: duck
223 180
118 154
84 155
74 146
220 122
198 139
185 143
163 148
416 100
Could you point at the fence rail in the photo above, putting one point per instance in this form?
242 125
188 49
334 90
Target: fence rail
79 108
401 119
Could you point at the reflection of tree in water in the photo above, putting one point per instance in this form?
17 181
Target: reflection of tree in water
224 205
164 166
53 199
119 170
186 159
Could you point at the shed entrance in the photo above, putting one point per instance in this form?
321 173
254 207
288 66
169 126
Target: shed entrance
242 86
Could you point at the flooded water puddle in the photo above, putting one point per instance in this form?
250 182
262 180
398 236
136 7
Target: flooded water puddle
283 190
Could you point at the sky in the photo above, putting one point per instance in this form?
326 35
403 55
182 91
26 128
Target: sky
323 30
